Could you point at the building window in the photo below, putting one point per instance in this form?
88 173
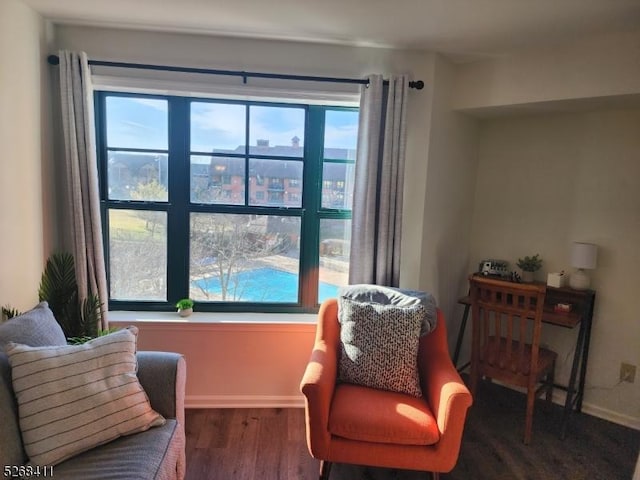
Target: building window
231 203
293 198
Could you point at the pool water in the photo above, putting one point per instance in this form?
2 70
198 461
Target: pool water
263 285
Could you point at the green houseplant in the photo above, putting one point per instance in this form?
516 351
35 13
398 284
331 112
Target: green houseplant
59 287
185 307
79 319
529 265
8 312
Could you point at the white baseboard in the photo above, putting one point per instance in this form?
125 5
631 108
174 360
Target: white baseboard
559 397
244 401
611 416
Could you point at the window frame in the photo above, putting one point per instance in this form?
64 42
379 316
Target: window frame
179 206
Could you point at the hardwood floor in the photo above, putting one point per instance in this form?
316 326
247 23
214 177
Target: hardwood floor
247 444
269 444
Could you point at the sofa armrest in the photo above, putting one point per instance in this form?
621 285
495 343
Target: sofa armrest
11 449
163 376
319 379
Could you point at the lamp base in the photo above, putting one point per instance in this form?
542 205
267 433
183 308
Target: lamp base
579 280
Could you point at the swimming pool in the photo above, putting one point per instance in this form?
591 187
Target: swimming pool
263 285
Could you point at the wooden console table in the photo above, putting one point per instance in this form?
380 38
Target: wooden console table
581 315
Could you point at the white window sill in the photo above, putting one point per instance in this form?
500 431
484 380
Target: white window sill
122 316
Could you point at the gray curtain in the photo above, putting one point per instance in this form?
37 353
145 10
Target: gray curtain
377 202
81 169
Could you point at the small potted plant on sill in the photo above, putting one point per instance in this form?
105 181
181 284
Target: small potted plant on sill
185 307
529 265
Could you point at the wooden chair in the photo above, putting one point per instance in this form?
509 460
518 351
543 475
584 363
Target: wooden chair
507 321
440 413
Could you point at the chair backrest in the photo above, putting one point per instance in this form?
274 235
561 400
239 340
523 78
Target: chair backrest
507 321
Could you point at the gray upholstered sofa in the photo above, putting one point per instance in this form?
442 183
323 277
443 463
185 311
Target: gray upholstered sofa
158 453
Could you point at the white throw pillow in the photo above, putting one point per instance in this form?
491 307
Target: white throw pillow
75 397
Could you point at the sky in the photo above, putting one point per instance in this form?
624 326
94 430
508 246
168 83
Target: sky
143 123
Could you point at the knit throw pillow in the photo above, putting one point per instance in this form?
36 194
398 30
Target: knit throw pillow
379 345
75 397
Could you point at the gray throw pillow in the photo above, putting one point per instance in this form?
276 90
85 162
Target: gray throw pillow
379 345
37 328
394 296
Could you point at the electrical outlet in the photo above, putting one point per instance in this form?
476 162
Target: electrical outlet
627 372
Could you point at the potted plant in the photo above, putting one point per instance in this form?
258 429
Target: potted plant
185 307
529 265
79 319
59 287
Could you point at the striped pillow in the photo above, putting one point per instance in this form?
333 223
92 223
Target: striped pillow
75 397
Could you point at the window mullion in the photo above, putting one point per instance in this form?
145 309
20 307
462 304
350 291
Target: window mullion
247 135
312 181
179 200
101 148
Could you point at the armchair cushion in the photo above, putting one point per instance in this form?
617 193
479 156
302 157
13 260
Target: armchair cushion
370 415
379 345
75 397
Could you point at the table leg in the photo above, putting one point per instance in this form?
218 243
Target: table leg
463 326
588 319
571 388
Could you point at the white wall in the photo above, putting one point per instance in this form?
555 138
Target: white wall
263 365
25 237
545 181
598 67
559 162
449 192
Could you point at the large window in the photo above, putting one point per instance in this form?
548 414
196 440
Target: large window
239 205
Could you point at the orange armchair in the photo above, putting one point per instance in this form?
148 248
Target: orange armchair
364 426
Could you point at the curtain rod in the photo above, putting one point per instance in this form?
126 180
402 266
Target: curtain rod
55 60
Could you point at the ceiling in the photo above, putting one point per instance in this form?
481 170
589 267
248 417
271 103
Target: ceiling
460 29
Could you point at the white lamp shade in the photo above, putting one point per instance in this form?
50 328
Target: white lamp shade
584 255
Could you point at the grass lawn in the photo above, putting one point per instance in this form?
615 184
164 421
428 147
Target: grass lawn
134 225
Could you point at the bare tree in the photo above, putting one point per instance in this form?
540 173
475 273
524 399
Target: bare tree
137 265
138 251
149 191
224 245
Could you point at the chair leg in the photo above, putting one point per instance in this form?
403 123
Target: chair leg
325 470
473 380
435 475
531 398
551 381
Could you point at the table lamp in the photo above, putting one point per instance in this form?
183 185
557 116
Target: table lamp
583 256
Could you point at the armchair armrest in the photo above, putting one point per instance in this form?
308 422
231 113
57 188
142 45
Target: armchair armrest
319 379
444 390
163 376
